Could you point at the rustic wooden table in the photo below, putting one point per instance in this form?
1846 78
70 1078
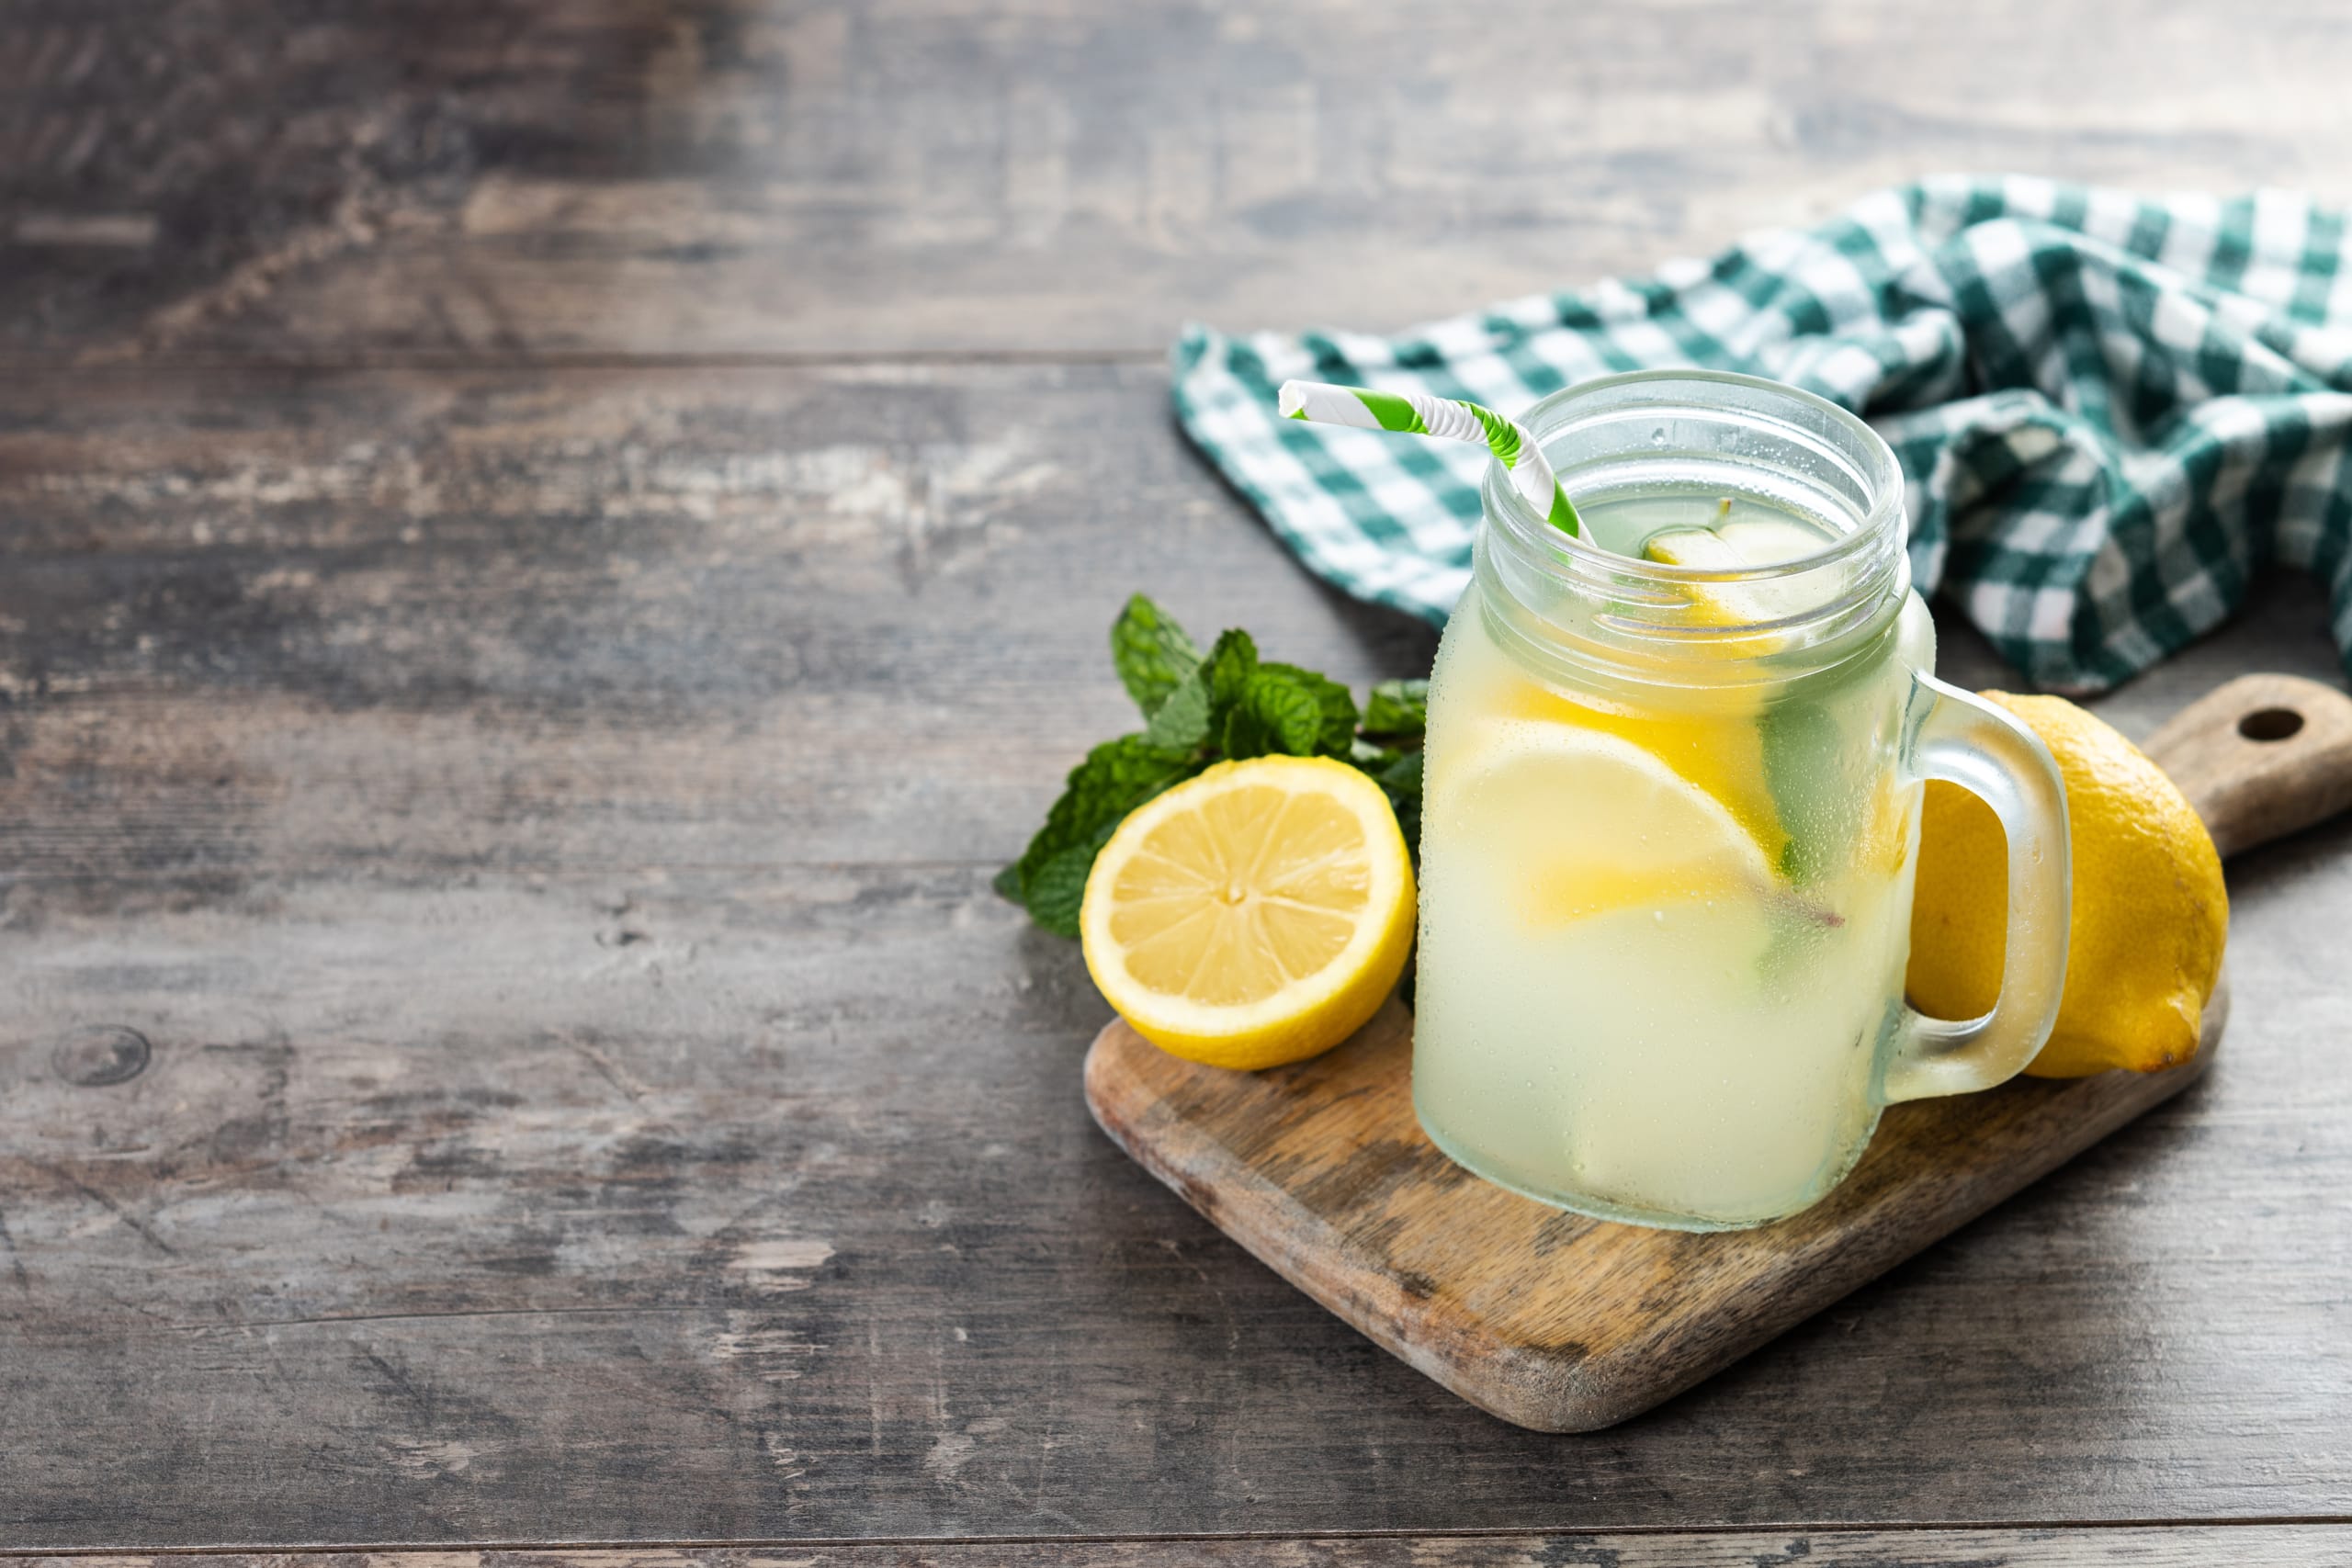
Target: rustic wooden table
552 545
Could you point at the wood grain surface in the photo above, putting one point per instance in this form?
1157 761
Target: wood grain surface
2272 1546
460 178
552 545
586 1090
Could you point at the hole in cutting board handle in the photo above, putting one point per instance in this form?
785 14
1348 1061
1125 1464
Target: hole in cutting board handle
2271 724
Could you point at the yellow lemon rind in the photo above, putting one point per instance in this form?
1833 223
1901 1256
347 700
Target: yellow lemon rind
2150 919
1307 1016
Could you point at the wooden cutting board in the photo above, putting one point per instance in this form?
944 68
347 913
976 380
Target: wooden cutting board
1565 1323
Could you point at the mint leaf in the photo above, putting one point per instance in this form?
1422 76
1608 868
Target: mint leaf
1409 822
1398 773
1201 707
1116 777
1057 890
1332 699
1181 725
1275 715
1151 652
1804 747
1226 670
1399 709
1402 776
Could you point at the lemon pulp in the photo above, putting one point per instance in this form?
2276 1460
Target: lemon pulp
1253 916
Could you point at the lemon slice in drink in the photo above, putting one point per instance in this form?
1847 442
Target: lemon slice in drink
1595 824
1743 545
1720 755
1256 915
1769 541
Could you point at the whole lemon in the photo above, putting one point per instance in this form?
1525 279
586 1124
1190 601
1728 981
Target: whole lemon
2149 918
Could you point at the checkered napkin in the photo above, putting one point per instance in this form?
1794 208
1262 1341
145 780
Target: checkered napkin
2110 409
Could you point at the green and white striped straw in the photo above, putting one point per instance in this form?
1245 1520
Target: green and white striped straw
1418 413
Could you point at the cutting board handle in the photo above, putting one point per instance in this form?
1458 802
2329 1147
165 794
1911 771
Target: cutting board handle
2260 756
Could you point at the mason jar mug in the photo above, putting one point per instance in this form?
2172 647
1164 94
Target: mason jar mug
1670 817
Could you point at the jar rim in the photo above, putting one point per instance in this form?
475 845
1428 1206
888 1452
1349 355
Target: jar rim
1576 602
1865 454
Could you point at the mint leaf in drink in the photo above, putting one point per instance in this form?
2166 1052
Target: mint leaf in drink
1804 757
1399 709
1275 715
1116 777
1151 652
1338 709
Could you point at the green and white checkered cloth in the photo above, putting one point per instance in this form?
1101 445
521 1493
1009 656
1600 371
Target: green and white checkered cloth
2111 410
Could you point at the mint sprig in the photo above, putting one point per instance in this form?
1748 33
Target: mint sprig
1200 709
1151 653
1397 708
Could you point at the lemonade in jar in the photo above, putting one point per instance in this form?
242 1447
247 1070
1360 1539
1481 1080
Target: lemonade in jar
1670 815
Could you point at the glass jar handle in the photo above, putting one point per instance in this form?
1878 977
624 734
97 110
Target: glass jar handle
1965 740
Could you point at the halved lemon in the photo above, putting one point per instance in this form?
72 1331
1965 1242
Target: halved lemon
1256 915
1594 824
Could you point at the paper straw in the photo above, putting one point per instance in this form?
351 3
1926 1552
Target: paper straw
1450 419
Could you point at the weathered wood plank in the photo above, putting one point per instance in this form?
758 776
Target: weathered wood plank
700 616
507 178
540 828
2193 1546
264 622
